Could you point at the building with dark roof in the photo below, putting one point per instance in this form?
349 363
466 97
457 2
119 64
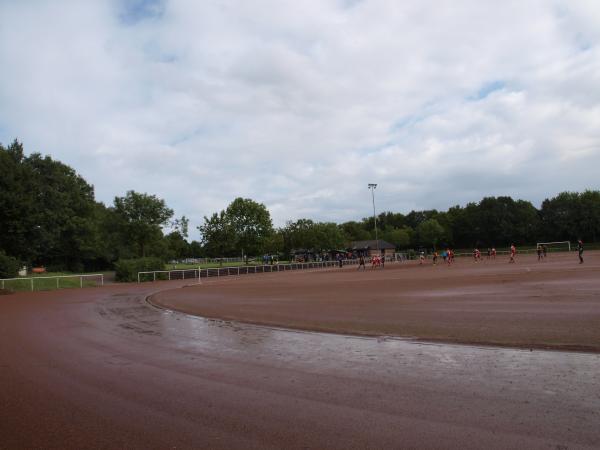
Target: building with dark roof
373 247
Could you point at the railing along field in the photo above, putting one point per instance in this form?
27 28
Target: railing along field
51 282
183 274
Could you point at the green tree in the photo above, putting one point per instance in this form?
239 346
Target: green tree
400 237
177 246
141 218
17 204
274 244
244 227
217 236
181 226
430 232
355 231
570 216
310 235
589 226
47 210
391 220
251 225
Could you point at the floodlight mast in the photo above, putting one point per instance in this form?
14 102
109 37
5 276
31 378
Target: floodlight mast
372 186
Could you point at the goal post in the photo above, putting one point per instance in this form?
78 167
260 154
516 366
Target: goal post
556 246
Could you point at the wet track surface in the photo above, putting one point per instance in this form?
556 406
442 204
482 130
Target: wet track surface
101 368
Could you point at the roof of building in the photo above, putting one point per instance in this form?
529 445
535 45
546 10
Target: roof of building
371 244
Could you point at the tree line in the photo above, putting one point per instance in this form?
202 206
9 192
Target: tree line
49 216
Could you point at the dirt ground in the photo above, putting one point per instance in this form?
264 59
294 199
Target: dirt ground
553 304
102 368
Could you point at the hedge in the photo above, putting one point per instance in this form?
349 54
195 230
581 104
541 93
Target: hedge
9 266
127 269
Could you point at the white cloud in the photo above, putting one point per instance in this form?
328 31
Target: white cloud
300 104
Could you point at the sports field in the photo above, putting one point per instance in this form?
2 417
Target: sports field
552 304
102 368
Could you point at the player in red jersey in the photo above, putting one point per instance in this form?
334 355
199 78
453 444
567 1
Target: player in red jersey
513 252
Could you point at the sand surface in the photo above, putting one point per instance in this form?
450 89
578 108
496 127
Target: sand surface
552 304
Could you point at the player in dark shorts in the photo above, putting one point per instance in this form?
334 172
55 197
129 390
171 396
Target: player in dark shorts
544 251
361 263
435 257
539 252
580 250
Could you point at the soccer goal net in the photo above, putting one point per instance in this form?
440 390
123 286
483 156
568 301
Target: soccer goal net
560 246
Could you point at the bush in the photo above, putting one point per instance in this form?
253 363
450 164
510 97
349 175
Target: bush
127 269
9 266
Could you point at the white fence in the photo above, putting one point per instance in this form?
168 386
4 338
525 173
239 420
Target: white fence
184 274
32 281
235 259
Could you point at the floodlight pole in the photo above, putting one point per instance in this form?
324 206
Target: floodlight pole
372 186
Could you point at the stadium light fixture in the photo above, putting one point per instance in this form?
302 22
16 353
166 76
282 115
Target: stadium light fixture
372 186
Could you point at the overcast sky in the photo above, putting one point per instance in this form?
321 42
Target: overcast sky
300 104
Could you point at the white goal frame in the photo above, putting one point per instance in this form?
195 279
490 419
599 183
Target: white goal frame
548 244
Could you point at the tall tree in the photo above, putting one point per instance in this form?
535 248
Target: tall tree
244 227
47 210
217 236
142 217
251 224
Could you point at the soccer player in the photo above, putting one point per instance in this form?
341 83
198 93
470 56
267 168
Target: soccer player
493 252
513 252
435 257
361 263
544 251
539 252
489 253
580 250
421 258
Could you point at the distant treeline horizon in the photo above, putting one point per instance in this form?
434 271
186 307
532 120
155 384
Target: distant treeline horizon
50 217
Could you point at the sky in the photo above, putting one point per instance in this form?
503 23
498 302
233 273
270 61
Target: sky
299 105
